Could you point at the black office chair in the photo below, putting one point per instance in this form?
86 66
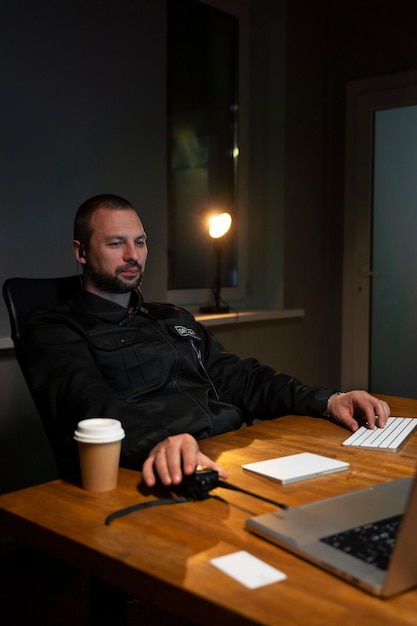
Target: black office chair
26 296
23 298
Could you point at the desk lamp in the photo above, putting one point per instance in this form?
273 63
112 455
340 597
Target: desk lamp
219 225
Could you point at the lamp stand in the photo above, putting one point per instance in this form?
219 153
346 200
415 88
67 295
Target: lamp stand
216 308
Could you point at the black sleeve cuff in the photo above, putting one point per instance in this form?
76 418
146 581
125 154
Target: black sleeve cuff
319 403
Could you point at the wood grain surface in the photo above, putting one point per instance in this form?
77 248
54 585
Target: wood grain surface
163 553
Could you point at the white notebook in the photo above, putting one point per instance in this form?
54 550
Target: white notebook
295 467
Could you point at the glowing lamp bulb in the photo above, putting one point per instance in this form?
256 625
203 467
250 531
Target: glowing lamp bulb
219 225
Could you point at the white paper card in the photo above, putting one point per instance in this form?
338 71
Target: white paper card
247 569
289 469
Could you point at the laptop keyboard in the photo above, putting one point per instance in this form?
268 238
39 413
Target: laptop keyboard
372 543
396 431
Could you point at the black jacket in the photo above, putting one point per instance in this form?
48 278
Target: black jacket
157 370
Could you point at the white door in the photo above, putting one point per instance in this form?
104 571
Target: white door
379 349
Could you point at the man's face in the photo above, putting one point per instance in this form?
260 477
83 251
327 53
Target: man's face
114 261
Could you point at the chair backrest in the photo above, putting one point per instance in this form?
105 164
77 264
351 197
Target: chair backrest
23 298
26 296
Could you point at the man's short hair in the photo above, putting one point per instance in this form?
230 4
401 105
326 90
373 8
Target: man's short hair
82 221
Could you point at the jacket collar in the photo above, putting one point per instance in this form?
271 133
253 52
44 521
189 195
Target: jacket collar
106 309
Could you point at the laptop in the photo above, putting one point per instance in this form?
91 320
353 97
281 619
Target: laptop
329 534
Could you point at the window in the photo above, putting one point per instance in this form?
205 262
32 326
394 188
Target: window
204 148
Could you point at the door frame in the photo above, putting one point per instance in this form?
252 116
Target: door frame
363 98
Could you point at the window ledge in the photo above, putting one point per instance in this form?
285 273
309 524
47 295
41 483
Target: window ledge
239 317
236 317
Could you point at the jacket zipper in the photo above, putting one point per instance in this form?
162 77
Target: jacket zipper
200 362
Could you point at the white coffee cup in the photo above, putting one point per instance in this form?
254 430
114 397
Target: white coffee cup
99 443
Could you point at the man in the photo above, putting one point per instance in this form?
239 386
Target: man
168 380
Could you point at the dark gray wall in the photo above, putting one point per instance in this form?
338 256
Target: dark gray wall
83 103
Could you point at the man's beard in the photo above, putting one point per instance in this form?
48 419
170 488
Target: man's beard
112 283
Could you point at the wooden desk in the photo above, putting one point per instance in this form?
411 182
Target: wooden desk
164 553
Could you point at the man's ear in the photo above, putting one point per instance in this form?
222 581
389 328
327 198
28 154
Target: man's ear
78 249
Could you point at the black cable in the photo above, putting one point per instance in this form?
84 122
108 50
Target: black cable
143 505
222 483
196 486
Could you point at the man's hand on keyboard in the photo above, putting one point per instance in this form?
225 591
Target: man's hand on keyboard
354 408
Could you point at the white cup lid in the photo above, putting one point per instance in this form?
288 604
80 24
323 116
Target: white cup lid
99 430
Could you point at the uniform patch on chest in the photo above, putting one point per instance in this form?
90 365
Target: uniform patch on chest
183 331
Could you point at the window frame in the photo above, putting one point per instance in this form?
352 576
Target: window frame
193 298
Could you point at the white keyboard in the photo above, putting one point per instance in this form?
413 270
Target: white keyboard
395 433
